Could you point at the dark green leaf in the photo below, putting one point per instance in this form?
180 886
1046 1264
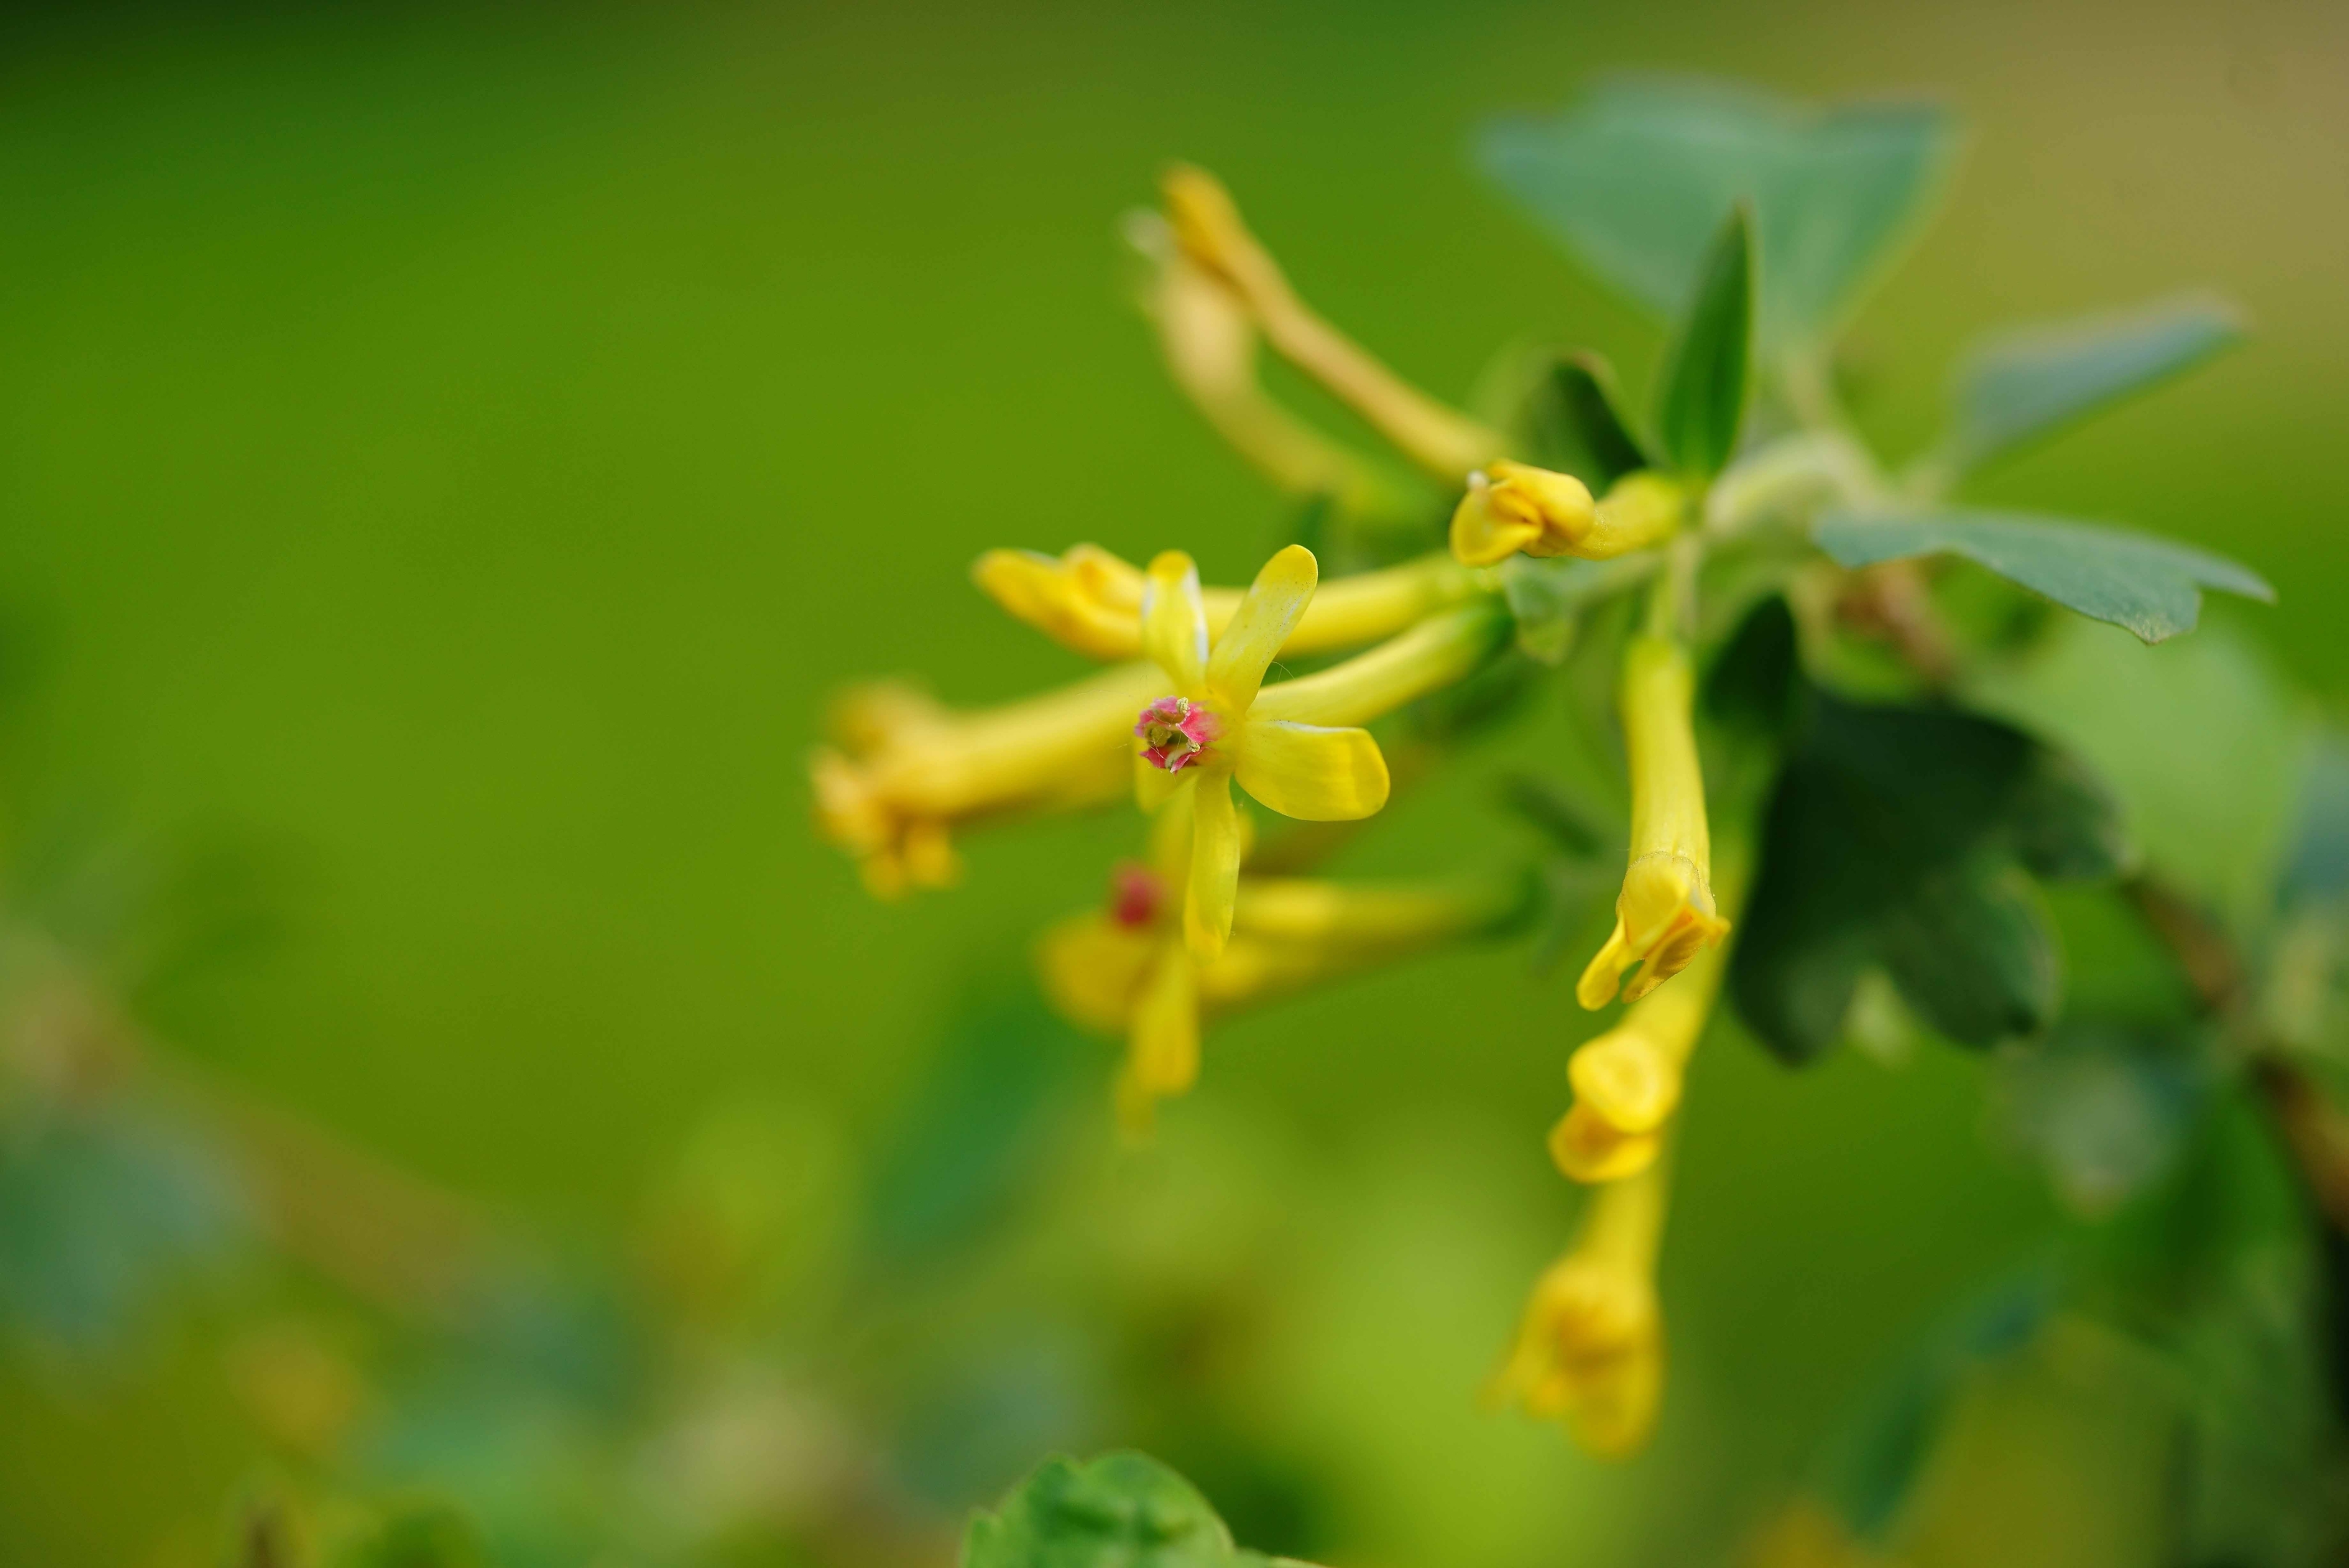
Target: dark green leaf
1571 421
2021 386
2318 867
2151 587
1755 682
1703 399
1895 837
1637 178
1121 1511
1573 827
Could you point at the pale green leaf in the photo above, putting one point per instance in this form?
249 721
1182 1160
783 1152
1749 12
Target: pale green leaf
2152 586
2024 385
1637 178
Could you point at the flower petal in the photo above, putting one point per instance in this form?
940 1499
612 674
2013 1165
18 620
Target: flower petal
1175 622
1215 846
1093 969
1165 1039
1586 1147
1258 628
1312 773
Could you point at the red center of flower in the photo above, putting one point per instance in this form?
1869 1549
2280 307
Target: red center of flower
1176 731
1135 894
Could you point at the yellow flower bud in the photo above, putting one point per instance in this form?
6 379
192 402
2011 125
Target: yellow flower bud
1514 507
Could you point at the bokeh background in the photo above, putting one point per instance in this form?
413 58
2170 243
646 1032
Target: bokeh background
450 454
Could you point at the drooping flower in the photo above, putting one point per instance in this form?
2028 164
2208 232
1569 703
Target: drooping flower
903 770
1627 1082
1090 600
1297 747
1665 913
1127 969
1590 1350
1512 507
1207 226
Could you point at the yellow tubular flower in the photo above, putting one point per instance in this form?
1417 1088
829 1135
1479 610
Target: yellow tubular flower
1665 913
1127 969
1590 1350
1627 1082
1090 600
903 770
1209 344
1208 228
1515 507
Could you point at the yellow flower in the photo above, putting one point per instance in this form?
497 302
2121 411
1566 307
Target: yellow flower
1589 1349
1127 969
1296 747
1515 507
1665 913
1090 600
1208 229
1627 1082
903 770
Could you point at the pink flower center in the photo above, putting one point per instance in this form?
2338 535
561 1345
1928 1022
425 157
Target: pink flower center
1176 731
1136 894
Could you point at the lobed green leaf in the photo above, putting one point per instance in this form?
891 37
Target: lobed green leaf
1121 1511
2150 586
1637 178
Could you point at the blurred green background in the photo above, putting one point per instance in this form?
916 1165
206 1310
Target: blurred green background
450 454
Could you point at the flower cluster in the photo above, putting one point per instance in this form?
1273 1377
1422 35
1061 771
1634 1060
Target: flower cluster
1771 540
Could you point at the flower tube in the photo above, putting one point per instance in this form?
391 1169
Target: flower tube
905 770
1665 913
1627 1082
1091 600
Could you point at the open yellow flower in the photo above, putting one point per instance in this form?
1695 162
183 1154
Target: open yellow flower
1512 507
1091 600
1127 969
903 770
1627 1082
1665 913
1590 1350
1297 747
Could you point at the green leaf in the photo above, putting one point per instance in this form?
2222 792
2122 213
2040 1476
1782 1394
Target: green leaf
1702 399
1896 838
1570 420
2106 1108
1121 1511
1637 178
2151 587
2201 738
1756 683
2021 386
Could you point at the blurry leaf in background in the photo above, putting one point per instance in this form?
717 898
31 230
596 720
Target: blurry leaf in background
99 1209
1901 836
1869 1465
2318 865
2106 1107
1121 1511
2151 587
969 1135
1701 396
1638 177
2201 739
1568 416
2021 385
418 1535
1755 681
